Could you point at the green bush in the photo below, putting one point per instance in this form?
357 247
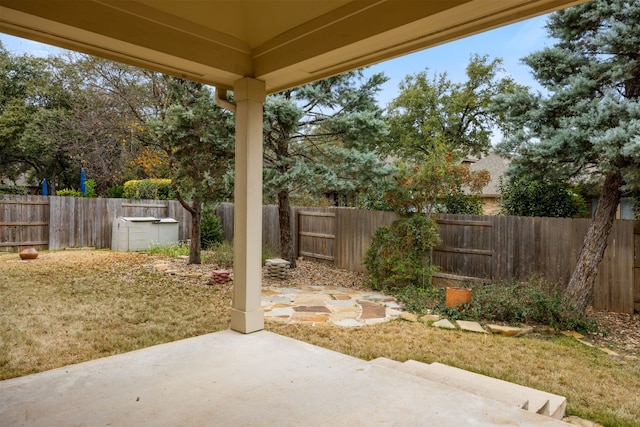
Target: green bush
210 229
521 197
71 192
399 254
68 192
533 302
460 203
21 191
148 189
116 192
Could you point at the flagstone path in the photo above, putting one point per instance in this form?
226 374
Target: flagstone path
328 304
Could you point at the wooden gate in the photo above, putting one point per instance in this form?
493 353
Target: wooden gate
317 235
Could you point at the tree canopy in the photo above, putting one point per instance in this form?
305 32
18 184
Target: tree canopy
318 138
587 125
432 114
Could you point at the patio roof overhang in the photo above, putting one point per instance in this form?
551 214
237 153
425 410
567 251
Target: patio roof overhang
284 43
256 47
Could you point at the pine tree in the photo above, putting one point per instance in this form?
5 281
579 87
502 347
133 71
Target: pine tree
318 138
197 137
588 126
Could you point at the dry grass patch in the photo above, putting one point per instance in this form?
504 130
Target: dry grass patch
71 306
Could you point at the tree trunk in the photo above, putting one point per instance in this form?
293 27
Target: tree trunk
196 220
284 216
195 209
579 291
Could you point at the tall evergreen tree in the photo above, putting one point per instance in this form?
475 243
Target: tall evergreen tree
589 123
318 138
197 137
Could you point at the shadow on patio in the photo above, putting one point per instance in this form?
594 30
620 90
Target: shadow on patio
227 378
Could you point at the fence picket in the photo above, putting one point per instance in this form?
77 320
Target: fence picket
485 247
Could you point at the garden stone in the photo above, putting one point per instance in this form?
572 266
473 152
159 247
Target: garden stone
507 331
409 317
465 325
444 324
430 318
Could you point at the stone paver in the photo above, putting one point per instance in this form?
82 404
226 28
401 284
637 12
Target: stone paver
372 310
339 306
444 324
468 326
507 331
430 318
409 317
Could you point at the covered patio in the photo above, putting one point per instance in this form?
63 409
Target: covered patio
252 48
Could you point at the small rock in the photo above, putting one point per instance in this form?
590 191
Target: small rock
470 326
409 317
507 331
430 318
444 324
161 267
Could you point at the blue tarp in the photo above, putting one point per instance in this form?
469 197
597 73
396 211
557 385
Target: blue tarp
83 182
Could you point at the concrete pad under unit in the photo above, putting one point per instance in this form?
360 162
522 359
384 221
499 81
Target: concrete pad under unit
229 378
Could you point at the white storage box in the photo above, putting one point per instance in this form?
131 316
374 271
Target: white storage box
139 233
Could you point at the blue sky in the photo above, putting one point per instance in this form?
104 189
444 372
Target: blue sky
511 43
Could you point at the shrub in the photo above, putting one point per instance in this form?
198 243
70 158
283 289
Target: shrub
460 203
116 192
399 254
210 229
535 301
21 191
68 192
147 189
541 198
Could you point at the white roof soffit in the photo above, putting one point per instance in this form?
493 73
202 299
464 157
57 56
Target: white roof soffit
283 42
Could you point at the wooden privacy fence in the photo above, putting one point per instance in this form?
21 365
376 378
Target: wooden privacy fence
504 248
473 247
52 222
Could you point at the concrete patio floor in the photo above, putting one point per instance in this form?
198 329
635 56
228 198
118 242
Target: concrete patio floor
227 378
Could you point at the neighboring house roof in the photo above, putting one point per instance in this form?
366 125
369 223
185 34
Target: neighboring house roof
496 165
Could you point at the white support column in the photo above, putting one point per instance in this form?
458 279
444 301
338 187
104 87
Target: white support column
246 314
